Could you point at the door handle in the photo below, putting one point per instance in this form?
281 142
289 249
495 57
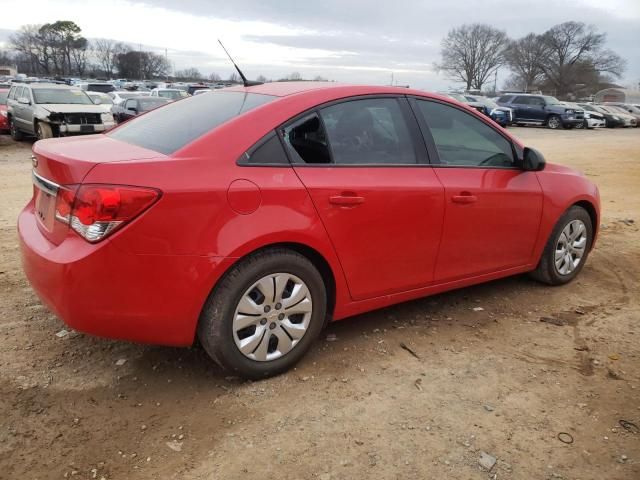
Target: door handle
346 200
464 197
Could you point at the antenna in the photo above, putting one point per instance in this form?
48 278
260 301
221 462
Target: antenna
245 82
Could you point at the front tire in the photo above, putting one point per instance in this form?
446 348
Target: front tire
264 314
554 122
567 249
43 131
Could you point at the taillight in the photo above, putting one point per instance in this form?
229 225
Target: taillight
96 211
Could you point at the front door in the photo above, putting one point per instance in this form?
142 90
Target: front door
492 207
379 200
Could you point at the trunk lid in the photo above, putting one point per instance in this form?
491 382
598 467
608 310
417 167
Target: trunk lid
62 164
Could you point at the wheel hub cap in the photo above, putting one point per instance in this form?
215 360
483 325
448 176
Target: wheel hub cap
272 317
570 247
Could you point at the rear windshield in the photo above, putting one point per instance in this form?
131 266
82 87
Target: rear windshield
61 96
170 128
173 94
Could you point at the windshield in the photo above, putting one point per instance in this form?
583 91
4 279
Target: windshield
172 94
551 100
104 98
101 87
61 96
459 97
3 97
177 124
485 101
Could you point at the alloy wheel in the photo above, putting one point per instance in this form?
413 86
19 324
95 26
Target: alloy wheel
272 316
553 122
570 247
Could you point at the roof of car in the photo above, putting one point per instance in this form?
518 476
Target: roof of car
283 89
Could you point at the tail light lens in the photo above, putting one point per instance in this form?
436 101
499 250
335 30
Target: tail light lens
96 211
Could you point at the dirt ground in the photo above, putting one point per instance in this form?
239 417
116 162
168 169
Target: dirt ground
497 380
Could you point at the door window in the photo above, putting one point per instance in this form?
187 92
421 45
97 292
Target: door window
368 132
463 140
357 132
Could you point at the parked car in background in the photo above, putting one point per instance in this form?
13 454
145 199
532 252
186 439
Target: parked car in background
480 107
611 120
200 92
97 86
627 107
194 87
4 120
119 96
170 93
135 106
541 110
628 120
591 119
49 110
100 98
170 226
503 116
633 112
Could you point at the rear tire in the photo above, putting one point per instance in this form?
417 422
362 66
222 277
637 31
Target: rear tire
567 250
246 309
16 134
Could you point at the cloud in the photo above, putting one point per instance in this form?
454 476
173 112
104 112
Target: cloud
361 41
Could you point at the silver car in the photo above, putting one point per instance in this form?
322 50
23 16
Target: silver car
48 110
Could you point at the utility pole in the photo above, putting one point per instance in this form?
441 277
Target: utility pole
495 83
166 59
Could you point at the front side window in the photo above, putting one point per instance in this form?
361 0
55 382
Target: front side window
371 131
463 140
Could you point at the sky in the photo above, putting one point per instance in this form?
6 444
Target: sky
357 41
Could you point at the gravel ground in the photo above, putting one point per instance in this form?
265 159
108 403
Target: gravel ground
488 396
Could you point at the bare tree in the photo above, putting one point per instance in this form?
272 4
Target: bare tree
569 47
261 78
214 77
525 57
472 54
189 74
234 78
106 52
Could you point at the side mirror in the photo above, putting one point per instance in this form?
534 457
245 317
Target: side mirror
533 160
24 101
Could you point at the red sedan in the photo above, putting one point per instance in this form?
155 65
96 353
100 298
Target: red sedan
4 121
252 216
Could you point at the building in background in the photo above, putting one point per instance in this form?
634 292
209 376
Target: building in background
618 95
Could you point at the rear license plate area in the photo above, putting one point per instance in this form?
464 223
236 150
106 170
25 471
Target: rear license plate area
45 208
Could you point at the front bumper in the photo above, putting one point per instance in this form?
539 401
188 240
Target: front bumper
103 290
595 122
571 120
70 129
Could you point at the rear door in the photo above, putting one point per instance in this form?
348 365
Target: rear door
492 207
365 167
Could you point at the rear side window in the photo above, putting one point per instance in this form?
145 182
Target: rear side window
463 140
268 151
170 128
505 98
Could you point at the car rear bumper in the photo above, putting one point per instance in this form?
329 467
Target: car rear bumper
102 290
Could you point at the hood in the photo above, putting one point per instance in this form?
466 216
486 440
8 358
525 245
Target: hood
556 168
72 108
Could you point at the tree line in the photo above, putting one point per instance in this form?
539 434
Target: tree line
568 58
58 49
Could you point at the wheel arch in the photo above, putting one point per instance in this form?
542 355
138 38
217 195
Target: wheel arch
313 255
593 214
